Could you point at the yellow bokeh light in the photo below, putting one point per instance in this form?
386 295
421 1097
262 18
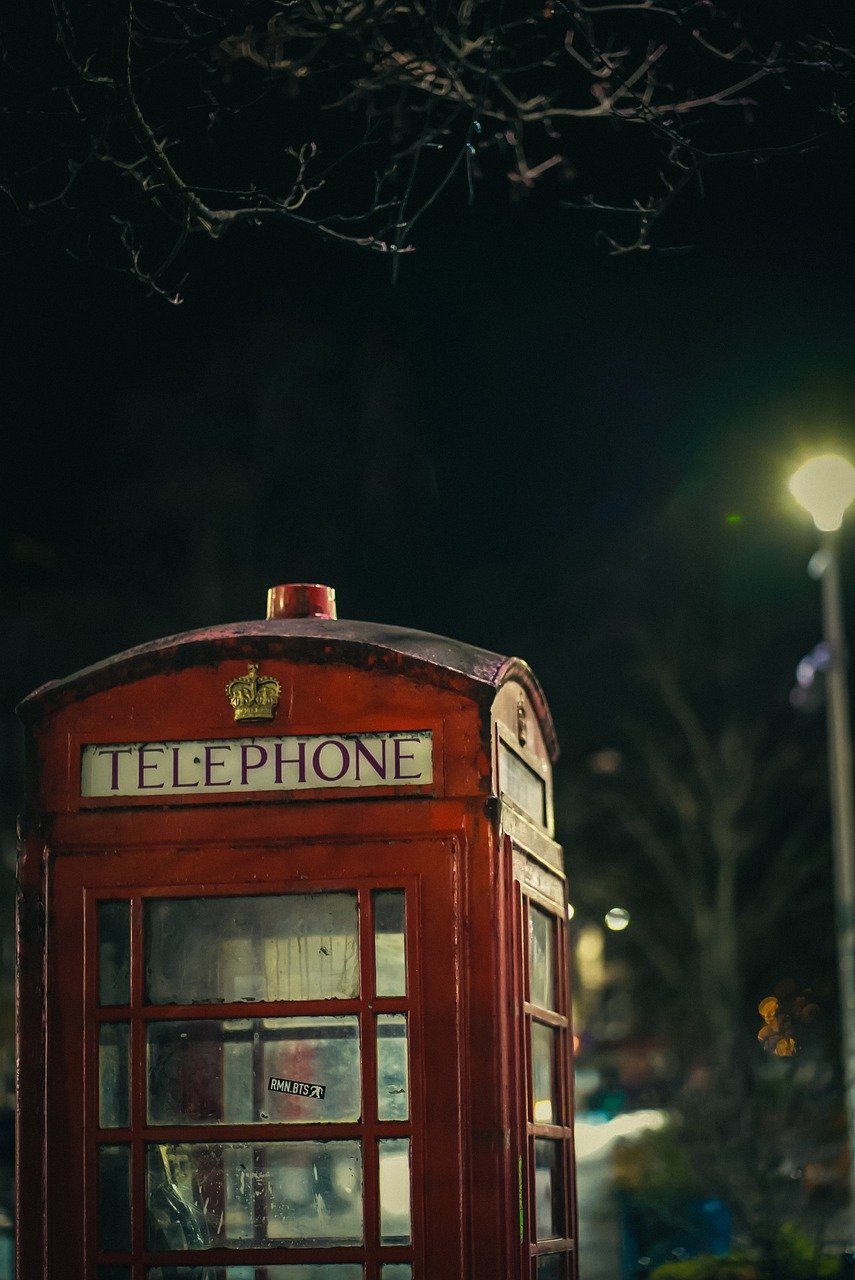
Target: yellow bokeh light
617 919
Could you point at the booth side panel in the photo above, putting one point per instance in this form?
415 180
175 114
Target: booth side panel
488 1085
30 1055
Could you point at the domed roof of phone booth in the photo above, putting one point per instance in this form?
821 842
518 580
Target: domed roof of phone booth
419 655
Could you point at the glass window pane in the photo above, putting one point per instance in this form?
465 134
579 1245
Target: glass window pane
114 1199
114 952
319 1054
114 1273
113 1099
254 1071
240 1090
393 1100
250 1195
545 1099
395 1191
552 1266
548 1189
315 1271
396 1271
389 943
541 939
289 1271
288 947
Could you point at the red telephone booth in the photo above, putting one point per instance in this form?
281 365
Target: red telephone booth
293 985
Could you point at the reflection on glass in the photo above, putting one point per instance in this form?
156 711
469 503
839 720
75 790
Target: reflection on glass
394 1190
552 1266
221 1072
288 947
541 940
289 1271
113 1075
322 1053
114 1273
240 1074
389 943
240 1186
250 1195
393 1102
114 1199
396 1271
114 952
543 1041
548 1189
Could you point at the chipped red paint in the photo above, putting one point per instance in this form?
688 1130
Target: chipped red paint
473 868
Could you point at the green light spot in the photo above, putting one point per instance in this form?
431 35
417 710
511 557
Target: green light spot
733 517
522 1203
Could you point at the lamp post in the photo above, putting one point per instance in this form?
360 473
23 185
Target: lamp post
825 486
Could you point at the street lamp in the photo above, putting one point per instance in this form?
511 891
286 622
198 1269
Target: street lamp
825 486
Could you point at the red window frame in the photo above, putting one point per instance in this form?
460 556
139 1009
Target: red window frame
100 887
564 1246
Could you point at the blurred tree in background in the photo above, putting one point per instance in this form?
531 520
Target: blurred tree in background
703 812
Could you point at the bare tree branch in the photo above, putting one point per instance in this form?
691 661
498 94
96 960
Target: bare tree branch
356 117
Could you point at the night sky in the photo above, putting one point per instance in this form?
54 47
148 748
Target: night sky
557 426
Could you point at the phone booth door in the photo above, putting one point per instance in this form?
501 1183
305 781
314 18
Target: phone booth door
252 1081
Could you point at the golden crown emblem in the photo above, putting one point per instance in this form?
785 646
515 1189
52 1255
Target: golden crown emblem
254 697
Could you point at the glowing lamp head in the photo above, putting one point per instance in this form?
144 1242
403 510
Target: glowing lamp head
825 486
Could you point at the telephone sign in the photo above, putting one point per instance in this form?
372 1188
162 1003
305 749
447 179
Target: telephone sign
257 764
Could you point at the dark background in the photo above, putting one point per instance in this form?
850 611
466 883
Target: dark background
491 447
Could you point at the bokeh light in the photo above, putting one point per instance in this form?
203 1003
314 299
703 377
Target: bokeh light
617 919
